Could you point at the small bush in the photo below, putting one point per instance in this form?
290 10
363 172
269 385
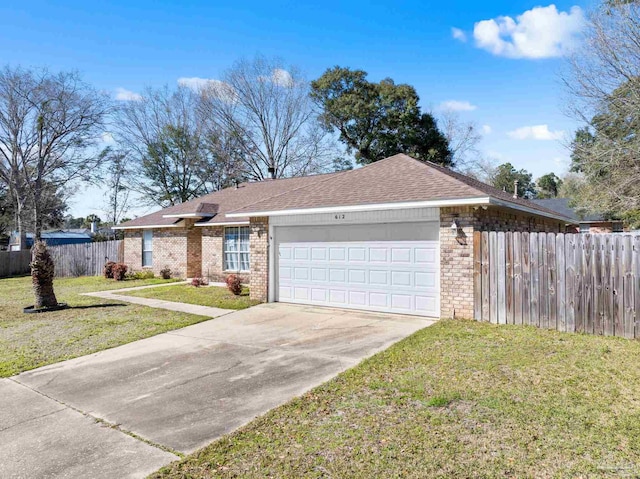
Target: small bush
108 269
119 271
234 284
165 273
146 274
197 282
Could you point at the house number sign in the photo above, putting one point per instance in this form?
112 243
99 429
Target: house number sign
339 216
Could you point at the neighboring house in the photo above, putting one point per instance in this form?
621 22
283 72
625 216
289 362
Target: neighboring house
393 236
53 238
587 223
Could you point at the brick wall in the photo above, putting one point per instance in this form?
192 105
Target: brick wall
133 249
259 249
456 249
177 248
213 255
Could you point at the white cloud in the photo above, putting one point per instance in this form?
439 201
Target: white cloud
278 77
455 105
107 138
282 77
542 32
537 132
219 88
458 34
127 95
486 129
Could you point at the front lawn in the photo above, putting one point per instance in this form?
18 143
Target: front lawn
459 399
214 296
28 341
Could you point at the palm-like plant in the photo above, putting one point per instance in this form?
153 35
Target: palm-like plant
42 272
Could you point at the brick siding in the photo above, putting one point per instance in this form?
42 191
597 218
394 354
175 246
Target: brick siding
213 255
259 249
179 249
456 249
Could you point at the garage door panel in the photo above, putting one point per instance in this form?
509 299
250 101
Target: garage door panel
337 275
337 296
319 254
319 294
357 254
337 254
378 255
358 298
400 277
378 278
400 255
285 292
425 255
318 274
357 276
301 293
379 300
425 280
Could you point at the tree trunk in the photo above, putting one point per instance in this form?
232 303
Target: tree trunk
42 273
22 233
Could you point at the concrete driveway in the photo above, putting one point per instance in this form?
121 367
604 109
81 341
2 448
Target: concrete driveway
180 390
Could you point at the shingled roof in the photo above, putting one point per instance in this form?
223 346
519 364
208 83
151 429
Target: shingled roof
397 179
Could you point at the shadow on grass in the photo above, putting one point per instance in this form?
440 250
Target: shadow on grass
92 306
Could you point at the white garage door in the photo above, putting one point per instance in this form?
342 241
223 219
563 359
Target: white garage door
388 276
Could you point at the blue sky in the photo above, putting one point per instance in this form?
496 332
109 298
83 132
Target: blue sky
504 73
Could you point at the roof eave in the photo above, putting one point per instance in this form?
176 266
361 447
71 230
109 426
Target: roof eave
189 215
146 227
526 209
484 200
225 223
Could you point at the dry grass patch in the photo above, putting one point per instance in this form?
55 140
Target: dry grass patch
459 399
29 341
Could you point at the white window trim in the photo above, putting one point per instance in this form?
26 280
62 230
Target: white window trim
144 245
238 252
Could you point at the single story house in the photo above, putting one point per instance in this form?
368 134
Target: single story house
584 223
393 236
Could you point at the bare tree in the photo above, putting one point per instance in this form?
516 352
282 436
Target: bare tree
268 107
463 137
177 154
49 123
603 82
118 172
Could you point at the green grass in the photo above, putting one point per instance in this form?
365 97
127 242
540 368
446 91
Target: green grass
459 399
28 341
215 296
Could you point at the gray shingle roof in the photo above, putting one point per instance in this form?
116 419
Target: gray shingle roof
396 179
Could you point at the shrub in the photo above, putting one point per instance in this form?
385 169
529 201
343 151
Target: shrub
146 274
108 269
119 271
165 273
197 282
234 284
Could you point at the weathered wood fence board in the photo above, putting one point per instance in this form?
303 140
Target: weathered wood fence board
13 263
86 259
569 282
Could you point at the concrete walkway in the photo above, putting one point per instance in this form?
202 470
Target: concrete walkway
127 411
207 311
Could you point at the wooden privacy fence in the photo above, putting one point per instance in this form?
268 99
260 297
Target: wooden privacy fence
569 282
14 263
85 259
